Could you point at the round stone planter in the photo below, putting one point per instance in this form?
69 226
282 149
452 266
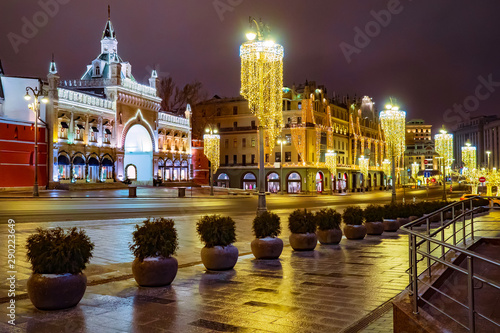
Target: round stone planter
267 248
412 218
374 228
56 291
354 231
403 220
219 258
303 242
330 236
154 271
391 225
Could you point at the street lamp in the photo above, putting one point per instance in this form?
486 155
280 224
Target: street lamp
35 107
261 85
488 155
280 142
363 168
444 147
211 149
331 164
393 123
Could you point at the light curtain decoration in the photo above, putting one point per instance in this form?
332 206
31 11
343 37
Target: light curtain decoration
262 82
444 147
211 149
415 168
386 167
331 162
363 167
469 160
393 124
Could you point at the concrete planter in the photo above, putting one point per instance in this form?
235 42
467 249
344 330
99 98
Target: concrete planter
267 248
412 218
403 220
391 225
155 271
303 242
219 258
374 228
354 231
330 236
56 291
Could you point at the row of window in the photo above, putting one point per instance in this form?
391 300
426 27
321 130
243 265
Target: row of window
79 132
277 158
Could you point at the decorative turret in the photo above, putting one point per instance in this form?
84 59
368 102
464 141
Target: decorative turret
52 66
154 81
109 44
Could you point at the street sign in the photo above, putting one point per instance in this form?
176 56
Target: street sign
427 174
482 179
426 162
433 180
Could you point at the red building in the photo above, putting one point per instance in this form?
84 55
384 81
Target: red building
201 168
17 135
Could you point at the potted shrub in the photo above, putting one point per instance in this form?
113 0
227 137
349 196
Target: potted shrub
373 220
58 258
218 233
266 228
328 223
390 217
404 213
153 245
303 230
353 220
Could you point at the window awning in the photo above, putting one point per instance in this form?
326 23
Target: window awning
63 160
107 131
64 124
93 161
78 161
94 129
80 126
107 162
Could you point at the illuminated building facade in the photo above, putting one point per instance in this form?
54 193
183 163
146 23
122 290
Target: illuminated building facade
313 125
420 146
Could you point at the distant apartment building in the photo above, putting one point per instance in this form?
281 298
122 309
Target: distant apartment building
481 132
296 161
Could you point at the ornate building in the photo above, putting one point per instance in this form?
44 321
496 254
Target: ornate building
106 127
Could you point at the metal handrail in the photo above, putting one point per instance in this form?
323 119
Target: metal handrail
429 238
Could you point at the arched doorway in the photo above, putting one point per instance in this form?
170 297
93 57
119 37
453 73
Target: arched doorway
320 182
167 171
161 166
223 180
139 152
107 168
249 181
177 171
78 168
273 182
63 167
93 169
294 183
184 170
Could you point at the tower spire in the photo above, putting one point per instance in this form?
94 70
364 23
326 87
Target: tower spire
53 67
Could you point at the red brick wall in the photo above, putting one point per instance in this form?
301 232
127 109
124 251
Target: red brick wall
199 162
17 144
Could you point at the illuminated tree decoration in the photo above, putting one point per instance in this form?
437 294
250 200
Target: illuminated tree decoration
262 80
211 149
415 168
393 124
331 162
363 167
469 160
386 167
444 147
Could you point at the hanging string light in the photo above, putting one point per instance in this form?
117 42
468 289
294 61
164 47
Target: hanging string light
363 166
386 167
331 162
415 168
211 149
444 147
469 160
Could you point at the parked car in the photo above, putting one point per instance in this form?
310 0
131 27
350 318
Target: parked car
494 201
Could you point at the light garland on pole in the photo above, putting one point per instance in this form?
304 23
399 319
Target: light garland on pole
469 160
444 147
363 168
415 168
262 86
211 149
393 123
331 164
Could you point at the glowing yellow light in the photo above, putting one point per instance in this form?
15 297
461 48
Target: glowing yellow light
251 35
444 147
363 166
415 168
27 97
386 167
331 162
262 83
469 160
211 149
393 124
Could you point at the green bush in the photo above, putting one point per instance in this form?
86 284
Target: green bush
301 222
353 215
327 219
155 238
390 212
373 213
266 225
56 251
216 230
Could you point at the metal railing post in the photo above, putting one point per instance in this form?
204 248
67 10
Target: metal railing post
410 260
453 212
463 230
470 289
442 218
472 226
454 232
442 246
415 274
428 247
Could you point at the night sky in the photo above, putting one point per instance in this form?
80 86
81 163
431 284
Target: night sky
429 56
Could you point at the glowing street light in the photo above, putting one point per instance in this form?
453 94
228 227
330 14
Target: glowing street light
393 124
211 149
488 153
261 85
35 107
331 164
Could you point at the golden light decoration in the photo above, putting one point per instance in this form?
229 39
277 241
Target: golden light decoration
386 167
444 147
393 123
363 166
211 149
415 168
331 162
262 80
468 159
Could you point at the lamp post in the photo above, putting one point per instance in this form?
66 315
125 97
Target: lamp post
211 149
393 123
280 142
35 107
331 164
488 158
261 85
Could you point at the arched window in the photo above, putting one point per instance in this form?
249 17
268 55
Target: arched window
176 171
93 169
78 167
184 170
273 182
294 183
131 172
97 70
107 168
249 181
63 167
223 180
